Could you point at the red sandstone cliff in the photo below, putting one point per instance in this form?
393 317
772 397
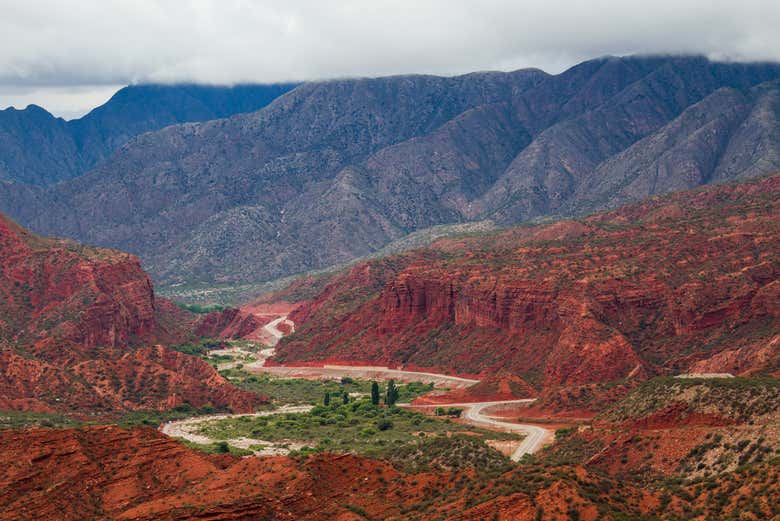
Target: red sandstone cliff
229 323
70 320
651 288
54 288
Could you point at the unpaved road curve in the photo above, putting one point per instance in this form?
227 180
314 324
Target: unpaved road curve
477 414
189 428
272 330
535 436
361 373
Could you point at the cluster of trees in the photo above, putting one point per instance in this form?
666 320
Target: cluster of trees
391 394
202 308
344 398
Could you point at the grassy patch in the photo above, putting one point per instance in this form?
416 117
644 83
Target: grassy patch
24 420
740 399
449 453
216 448
202 309
200 347
298 391
358 427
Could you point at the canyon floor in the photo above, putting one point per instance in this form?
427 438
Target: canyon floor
477 413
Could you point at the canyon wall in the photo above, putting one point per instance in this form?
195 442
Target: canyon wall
78 328
653 288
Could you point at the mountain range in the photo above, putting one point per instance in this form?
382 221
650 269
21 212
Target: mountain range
39 149
334 170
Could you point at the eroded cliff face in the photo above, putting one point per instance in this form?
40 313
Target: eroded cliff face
73 325
748 360
496 387
650 288
229 323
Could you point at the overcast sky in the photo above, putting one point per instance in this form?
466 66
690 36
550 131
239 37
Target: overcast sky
70 56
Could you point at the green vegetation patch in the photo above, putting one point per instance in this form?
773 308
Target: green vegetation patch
219 447
24 420
202 309
739 399
200 347
457 452
569 449
299 391
358 427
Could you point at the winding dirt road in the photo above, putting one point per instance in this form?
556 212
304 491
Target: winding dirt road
189 428
475 413
358 372
276 334
535 436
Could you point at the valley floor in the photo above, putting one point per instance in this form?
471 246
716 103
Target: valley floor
474 413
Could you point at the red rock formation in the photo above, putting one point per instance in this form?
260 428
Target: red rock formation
229 323
175 325
681 426
744 361
246 322
58 288
111 473
114 379
498 387
650 288
579 401
70 318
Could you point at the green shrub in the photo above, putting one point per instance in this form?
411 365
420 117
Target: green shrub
384 425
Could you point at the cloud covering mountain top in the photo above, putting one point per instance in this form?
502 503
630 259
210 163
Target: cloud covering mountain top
70 53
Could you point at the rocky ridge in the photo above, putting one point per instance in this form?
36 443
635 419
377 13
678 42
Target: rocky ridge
77 332
653 288
38 149
139 474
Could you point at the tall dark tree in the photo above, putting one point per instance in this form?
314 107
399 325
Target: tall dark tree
375 393
392 393
345 397
326 400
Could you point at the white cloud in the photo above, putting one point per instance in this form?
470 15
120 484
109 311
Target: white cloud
107 42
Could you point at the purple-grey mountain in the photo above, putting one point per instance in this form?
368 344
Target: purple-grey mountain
38 148
334 170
